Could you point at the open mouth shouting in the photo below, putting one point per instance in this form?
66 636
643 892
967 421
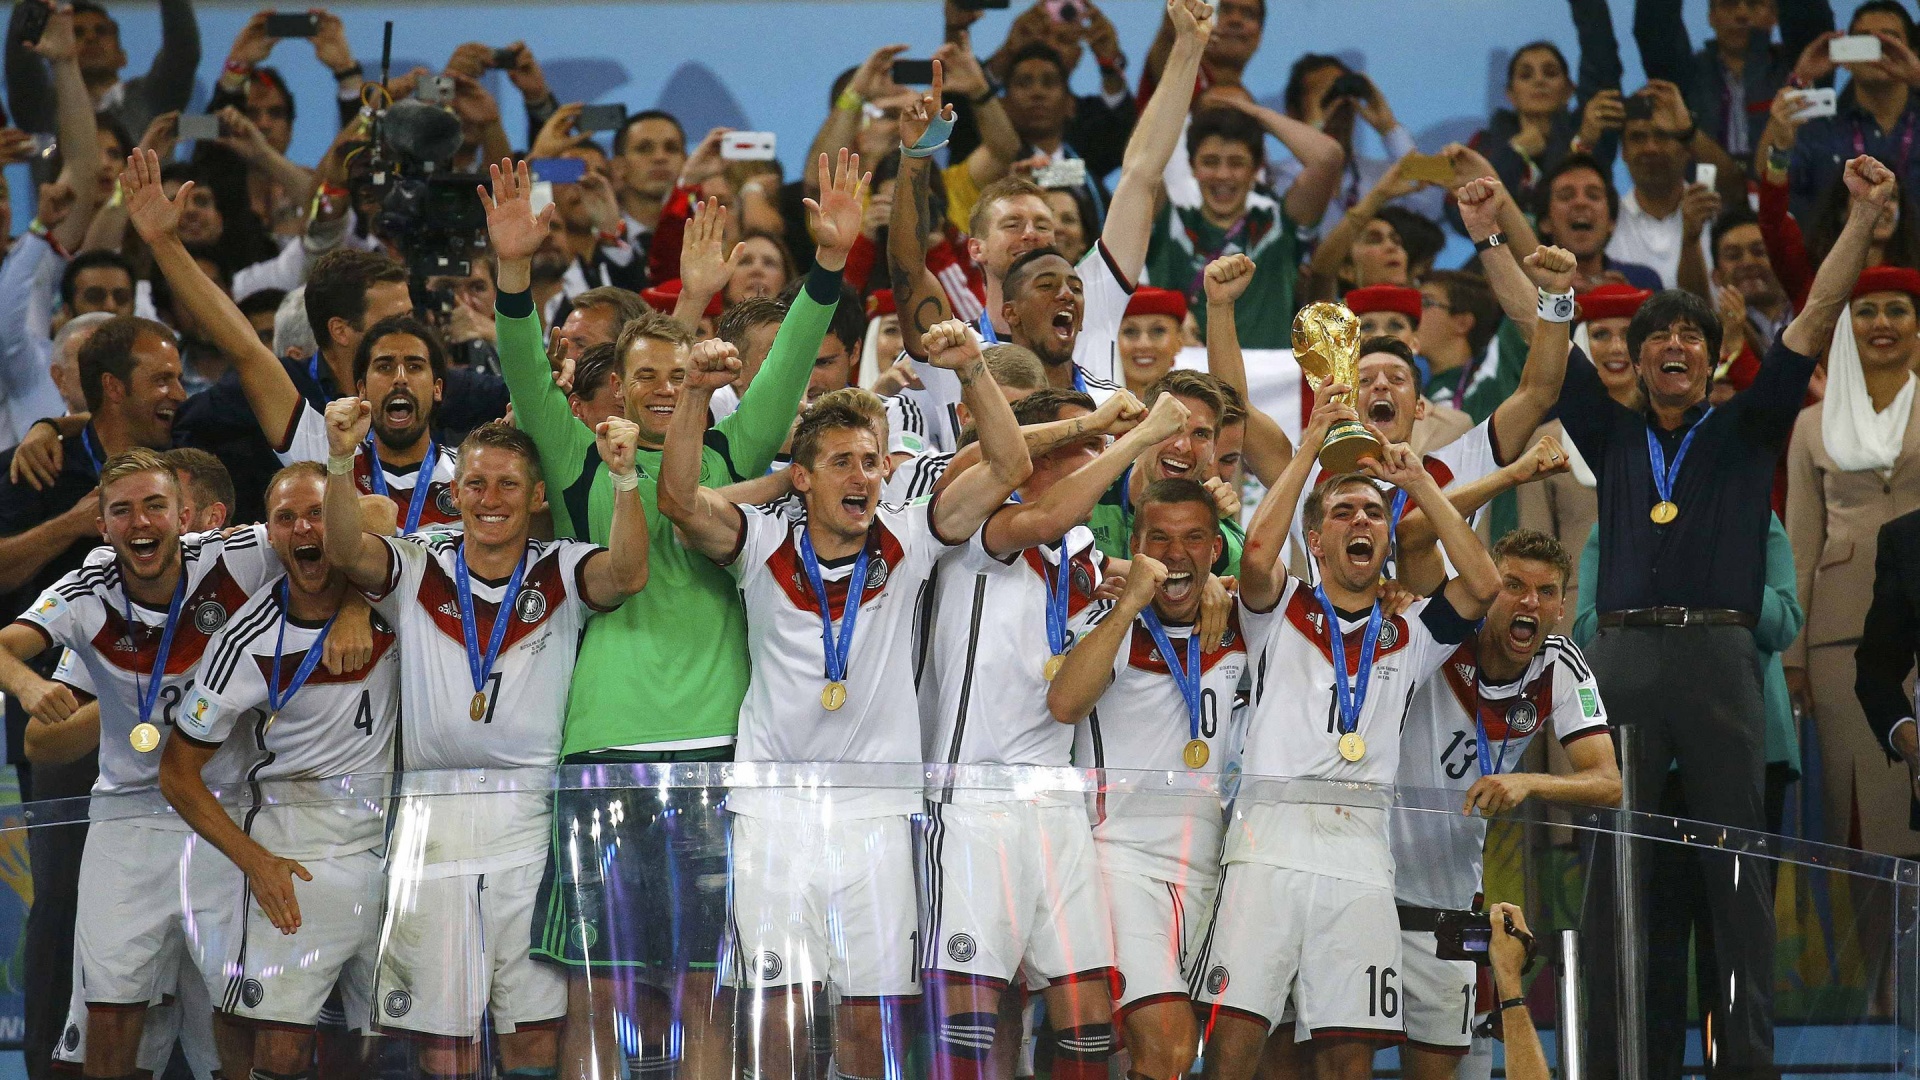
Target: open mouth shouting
399 410
1359 551
856 505
1173 467
1178 586
308 555
1673 367
1523 632
1381 411
144 552
1062 326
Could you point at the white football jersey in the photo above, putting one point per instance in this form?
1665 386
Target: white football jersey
1293 732
336 725
1142 723
1104 296
783 717
1462 461
915 477
308 442
525 694
1437 856
983 691
86 611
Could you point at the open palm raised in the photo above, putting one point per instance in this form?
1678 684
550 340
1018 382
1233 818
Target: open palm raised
153 215
512 227
835 218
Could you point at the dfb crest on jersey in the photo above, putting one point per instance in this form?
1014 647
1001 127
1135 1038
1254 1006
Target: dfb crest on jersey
530 605
1522 718
768 965
877 574
251 992
961 947
443 501
70 1038
379 624
1081 579
398 1003
209 616
1217 979
1389 634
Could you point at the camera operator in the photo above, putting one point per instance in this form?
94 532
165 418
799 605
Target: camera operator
1508 948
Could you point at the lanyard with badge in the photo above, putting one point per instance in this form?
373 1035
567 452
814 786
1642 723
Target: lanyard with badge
834 695
1664 475
1350 695
1187 679
277 700
482 667
377 476
145 736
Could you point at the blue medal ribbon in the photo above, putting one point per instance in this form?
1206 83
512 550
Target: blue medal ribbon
1489 766
150 693
987 332
480 666
421 480
96 455
837 652
1057 591
275 699
1187 680
1350 694
1663 474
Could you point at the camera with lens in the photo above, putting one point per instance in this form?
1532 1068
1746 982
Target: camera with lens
424 207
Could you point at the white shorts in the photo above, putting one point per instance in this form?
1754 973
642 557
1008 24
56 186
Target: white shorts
129 930
187 1019
1438 995
818 904
1333 944
265 975
457 946
1013 884
1158 928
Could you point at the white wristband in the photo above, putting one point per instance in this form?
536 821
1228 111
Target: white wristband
340 466
627 482
1556 307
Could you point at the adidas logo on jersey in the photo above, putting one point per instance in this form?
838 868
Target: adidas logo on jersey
449 608
1465 671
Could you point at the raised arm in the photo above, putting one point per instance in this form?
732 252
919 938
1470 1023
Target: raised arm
1477 580
1088 669
966 503
705 265
999 142
1331 253
270 391
78 135
361 558
612 575
1129 223
1115 416
918 295
1486 208
169 83
1417 535
1262 577
1267 447
1875 191
708 523
1515 420
1071 498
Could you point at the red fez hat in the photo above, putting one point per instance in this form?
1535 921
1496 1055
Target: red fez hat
1611 302
1385 298
880 303
1887 279
1148 300
664 296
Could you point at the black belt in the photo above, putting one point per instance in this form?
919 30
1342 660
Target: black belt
1677 616
1419 920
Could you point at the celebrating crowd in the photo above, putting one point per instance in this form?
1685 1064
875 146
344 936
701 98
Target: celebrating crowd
376 532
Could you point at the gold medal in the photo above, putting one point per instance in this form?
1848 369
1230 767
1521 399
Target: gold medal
271 717
1052 668
834 696
1352 746
478 709
1663 512
144 738
1195 755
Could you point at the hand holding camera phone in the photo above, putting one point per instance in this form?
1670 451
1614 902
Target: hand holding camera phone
292 24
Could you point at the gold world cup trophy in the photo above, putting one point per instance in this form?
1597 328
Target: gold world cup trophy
1326 344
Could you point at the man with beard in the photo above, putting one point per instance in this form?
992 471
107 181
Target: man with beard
164 595
1578 208
1012 218
398 364
1683 557
275 947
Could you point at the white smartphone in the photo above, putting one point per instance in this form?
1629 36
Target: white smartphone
199 126
1070 173
1854 49
747 146
1815 102
1704 173
540 196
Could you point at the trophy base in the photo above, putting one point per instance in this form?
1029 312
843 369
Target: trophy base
1347 442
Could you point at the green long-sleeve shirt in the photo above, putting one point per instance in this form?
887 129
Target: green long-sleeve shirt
669 668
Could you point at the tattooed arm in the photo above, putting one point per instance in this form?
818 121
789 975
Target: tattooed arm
917 294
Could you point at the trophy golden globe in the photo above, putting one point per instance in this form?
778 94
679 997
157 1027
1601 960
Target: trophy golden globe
1326 344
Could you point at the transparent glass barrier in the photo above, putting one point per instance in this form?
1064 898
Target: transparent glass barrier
705 922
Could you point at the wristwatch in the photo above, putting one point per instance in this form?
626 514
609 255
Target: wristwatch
1491 242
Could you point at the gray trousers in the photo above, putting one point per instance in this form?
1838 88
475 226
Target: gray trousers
1692 696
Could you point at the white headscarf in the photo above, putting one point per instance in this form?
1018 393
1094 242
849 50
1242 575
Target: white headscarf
1856 437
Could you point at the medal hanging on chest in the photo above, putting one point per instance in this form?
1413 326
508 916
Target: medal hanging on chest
276 700
1350 694
145 736
480 666
1057 592
838 651
1664 475
1187 678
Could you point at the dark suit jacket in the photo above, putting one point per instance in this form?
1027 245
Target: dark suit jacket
1890 637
